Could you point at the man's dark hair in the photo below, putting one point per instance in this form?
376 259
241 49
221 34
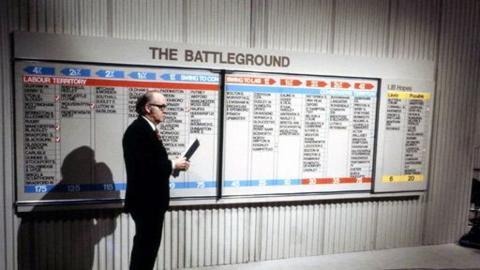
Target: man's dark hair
143 100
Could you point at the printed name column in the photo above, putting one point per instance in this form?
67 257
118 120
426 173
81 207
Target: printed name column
39 133
395 129
76 132
238 139
174 129
290 131
133 93
203 126
314 146
110 110
340 116
364 106
264 131
191 114
415 139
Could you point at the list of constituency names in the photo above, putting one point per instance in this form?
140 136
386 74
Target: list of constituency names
282 133
71 121
406 134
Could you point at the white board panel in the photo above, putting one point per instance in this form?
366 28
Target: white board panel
70 120
405 124
315 158
297 134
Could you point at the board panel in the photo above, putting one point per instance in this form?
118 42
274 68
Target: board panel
70 121
297 134
405 125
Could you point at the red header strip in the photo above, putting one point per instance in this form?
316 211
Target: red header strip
348 180
317 181
366 179
330 181
118 83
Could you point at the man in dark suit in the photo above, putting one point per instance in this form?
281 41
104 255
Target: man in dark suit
148 172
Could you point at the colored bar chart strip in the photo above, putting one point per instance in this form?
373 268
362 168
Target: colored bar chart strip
297 182
109 187
74 188
402 178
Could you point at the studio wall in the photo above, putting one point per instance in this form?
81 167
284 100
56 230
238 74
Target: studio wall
446 32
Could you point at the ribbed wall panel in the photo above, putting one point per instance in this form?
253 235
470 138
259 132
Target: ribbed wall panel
148 20
258 24
88 17
361 27
399 224
298 25
455 104
444 31
218 22
414 29
94 21
211 236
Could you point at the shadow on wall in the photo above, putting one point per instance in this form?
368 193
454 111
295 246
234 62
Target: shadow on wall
66 239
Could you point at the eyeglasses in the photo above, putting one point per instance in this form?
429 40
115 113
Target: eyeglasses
161 107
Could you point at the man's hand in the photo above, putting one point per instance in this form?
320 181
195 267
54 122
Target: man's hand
182 164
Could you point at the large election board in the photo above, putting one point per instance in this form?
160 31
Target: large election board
70 120
405 124
297 134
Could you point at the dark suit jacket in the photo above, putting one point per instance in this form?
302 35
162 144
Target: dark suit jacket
148 169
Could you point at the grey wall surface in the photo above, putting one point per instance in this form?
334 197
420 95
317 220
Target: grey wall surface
444 31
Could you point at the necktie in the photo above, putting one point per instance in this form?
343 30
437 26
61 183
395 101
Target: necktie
157 133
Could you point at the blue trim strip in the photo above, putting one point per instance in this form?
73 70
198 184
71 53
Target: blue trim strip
264 182
72 188
298 90
193 185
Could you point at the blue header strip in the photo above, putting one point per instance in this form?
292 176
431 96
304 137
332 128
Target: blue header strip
110 73
40 70
76 72
139 75
191 78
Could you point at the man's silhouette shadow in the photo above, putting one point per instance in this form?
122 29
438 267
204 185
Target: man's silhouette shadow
66 239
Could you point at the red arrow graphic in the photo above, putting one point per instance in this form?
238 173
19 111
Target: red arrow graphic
366 86
339 84
313 83
250 80
290 82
